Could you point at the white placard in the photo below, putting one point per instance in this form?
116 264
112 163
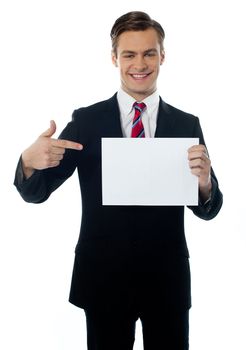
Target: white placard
148 171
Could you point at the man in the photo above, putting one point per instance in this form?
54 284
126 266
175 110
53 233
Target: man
131 261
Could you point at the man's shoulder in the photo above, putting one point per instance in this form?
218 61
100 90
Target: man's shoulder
177 112
97 107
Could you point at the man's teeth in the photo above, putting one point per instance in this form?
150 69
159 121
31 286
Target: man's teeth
139 76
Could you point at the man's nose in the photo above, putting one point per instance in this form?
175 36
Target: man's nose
140 63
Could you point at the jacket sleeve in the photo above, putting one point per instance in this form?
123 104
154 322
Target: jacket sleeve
209 209
42 183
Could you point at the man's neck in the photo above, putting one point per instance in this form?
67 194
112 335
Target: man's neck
139 96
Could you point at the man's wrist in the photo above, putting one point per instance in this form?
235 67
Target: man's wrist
205 192
27 171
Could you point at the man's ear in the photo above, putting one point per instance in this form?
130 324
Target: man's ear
162 57
114 59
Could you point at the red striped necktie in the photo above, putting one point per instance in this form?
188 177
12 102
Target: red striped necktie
137 125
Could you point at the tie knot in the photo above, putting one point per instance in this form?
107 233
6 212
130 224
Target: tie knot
139 106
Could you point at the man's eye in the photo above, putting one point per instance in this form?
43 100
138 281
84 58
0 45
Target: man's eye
150 54
128 56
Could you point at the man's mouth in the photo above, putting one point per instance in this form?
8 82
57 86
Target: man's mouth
138 76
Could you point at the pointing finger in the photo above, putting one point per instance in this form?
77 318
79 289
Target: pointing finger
68 144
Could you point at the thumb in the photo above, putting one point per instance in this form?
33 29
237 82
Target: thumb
52 129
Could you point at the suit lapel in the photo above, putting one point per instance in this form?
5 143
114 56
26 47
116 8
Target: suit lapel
165 121
111 118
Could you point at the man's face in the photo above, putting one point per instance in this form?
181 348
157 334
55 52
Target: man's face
139 57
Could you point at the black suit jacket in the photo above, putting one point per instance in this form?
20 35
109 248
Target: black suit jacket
136 252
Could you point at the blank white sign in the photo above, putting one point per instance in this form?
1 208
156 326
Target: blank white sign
148 171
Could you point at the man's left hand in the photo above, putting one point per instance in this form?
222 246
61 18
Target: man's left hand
200 166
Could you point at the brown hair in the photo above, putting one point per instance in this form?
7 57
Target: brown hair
135 21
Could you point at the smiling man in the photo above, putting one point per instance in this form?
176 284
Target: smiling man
131 262
138 55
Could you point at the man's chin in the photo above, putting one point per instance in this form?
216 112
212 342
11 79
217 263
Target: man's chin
143 92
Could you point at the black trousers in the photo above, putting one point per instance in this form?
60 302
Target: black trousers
162 329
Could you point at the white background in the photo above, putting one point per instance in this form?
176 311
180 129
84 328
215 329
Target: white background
55 57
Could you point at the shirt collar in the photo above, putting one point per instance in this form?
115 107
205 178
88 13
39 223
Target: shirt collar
126 102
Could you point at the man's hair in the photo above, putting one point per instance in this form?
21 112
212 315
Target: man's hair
135 21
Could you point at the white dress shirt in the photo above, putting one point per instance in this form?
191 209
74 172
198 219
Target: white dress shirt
149 115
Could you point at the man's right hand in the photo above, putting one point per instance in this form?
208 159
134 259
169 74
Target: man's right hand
46 152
